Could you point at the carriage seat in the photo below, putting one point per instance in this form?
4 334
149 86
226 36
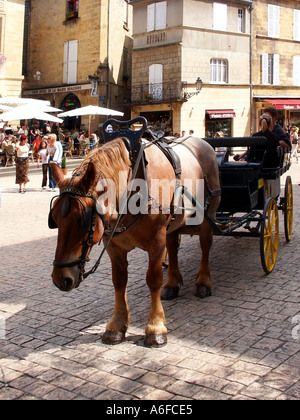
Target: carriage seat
242 164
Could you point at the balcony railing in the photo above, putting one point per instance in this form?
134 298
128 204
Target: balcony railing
158 92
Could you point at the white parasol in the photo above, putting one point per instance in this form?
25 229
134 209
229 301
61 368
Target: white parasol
91 110
15 101
5 108
28 112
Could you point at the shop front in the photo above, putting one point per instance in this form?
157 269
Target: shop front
219 120
288 109
70 102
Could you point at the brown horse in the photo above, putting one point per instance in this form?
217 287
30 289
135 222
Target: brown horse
85 213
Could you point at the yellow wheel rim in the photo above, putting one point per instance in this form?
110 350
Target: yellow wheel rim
288 209
270 236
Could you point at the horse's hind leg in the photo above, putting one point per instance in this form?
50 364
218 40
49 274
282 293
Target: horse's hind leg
203 281
118 324
156 332
174 277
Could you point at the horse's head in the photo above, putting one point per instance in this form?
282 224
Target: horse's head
79 225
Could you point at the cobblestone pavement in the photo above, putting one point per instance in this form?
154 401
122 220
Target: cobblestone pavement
241 343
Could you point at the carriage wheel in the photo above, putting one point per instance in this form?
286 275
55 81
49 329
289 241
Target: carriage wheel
269 236
288 209
165 262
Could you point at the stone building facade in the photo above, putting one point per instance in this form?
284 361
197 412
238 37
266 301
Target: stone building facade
245 52
177 42
276 58
79 54
11 46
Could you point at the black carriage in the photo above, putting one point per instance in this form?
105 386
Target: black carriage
251 192
251 200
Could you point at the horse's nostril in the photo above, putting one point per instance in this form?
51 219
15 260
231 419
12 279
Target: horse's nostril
68 284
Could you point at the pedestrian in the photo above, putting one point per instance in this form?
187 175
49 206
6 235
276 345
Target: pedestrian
33 132
294 142
218 135
55 153
42 155
22 163
36 145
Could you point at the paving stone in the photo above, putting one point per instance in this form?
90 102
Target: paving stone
237 344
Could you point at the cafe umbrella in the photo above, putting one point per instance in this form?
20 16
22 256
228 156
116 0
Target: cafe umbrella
91 110
13 101
29 112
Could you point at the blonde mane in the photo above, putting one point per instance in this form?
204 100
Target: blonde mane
109 159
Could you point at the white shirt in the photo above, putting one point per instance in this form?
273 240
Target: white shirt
43 155
22 151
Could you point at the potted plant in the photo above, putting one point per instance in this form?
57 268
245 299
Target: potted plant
64 164
147 97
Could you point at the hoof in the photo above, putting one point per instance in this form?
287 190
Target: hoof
203 292
113 337
155 340
169 293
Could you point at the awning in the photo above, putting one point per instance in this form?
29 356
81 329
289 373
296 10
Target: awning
284 103
220 113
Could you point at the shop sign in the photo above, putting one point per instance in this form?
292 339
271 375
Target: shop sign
220 115
59 89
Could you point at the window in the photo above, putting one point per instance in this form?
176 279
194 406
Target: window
220 16
156 81
70 62
241 21
273 21
296 73
72 9
125 13
297 25
218 70
270 69
157 16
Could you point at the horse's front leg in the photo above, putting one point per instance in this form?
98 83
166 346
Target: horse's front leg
156 331
118 324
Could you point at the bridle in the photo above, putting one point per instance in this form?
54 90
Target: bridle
88 223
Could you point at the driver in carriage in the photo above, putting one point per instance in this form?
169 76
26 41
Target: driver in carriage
269 152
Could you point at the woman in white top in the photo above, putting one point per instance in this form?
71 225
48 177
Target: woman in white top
22 163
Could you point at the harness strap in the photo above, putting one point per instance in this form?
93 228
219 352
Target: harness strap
171 155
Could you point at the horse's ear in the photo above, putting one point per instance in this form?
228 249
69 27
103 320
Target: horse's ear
57 172
89 176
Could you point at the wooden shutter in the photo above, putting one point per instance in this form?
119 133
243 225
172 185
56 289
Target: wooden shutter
220 16
276 80
296 70
65 66
296 25
161 15
264 69
156 81
72 62
150 17
273 21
